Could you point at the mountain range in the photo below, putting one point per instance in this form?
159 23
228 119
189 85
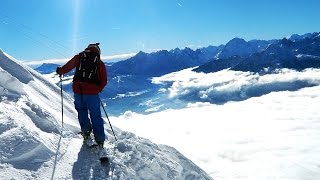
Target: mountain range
130 81
164 62
296 52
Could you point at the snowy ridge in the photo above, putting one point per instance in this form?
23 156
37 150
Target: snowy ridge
143 159
306 56
32 146
30 121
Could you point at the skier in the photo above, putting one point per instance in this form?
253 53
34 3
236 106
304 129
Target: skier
89 80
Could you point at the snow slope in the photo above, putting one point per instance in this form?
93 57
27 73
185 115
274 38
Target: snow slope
35 146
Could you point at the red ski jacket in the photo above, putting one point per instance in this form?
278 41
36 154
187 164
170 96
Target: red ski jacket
84 87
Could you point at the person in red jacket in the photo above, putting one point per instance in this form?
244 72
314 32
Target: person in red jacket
89 80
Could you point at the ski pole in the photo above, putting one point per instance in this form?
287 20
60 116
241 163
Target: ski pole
56 156
108 120
61 99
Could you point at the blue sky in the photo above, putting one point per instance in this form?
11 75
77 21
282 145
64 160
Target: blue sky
38 30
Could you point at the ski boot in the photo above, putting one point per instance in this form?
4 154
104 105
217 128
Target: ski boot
87 139
103 155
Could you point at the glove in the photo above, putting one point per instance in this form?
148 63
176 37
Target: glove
58 70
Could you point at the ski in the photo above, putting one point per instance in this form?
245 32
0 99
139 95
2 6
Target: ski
103 155
100 152
105 163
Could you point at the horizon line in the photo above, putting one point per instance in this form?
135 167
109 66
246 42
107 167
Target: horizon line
111 58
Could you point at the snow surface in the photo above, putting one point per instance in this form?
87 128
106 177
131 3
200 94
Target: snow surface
270 136
35 146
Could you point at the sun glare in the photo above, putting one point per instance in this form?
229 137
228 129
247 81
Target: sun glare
76 6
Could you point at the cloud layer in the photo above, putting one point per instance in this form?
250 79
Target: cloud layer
272 133
225 85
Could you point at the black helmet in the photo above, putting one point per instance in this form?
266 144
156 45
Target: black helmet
95 45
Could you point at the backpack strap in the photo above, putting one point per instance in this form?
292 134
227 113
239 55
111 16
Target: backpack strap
78 70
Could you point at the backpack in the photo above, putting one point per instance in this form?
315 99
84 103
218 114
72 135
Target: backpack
88 68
